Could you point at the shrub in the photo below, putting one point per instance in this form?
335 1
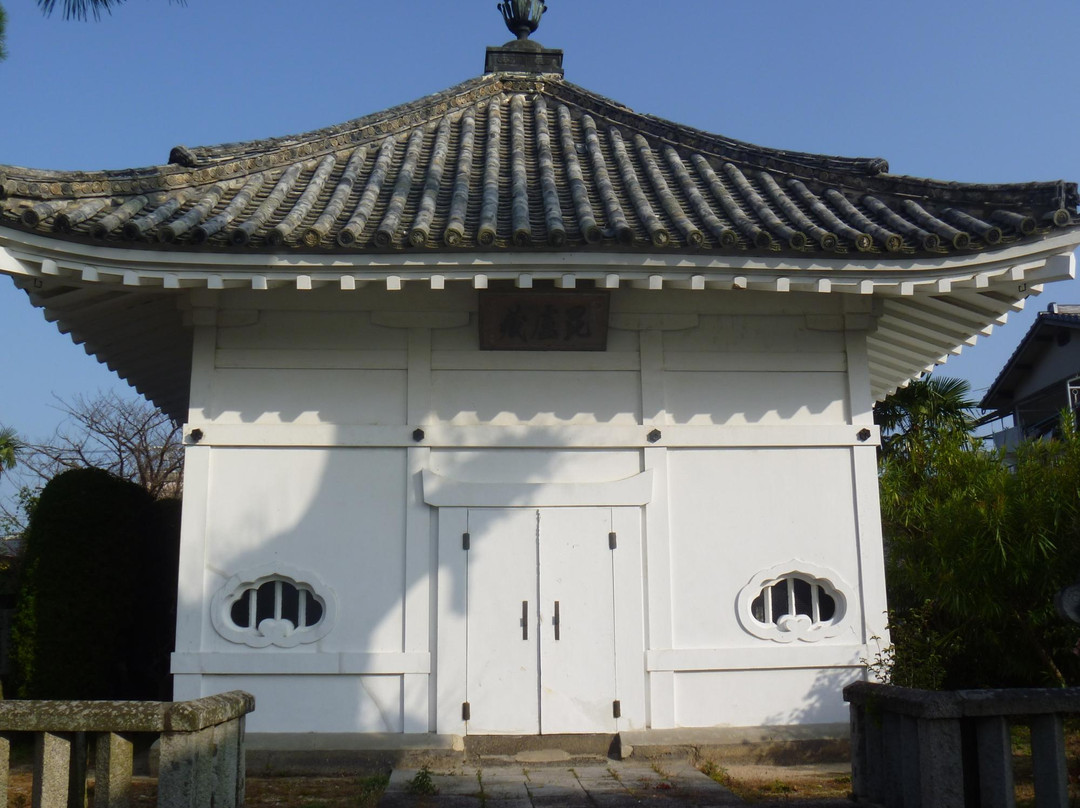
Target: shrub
96 606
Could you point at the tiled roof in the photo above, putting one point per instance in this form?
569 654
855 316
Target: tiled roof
516 162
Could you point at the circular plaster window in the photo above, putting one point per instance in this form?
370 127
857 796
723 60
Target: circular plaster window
795 601
273 606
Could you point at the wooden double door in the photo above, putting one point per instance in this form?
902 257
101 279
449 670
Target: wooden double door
541 618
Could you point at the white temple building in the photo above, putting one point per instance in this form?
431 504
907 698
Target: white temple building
513 411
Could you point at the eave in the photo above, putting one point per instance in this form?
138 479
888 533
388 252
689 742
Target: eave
129 308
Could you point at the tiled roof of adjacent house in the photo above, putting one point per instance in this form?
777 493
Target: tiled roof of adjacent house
1058 317
525 162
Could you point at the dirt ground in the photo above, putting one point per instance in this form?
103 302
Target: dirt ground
262 792
752 782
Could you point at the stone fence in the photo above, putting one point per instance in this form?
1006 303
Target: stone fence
926 749
201 750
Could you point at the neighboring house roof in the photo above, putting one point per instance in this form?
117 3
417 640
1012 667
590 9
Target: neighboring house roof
1001 394
521 176
515 162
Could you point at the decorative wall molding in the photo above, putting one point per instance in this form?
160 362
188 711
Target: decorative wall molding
445 492
769 657
308 663
524 436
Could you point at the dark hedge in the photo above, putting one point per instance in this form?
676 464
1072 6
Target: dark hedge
95 617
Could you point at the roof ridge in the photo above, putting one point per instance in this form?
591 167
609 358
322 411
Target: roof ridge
202 156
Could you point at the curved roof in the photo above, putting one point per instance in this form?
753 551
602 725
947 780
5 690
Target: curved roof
491 179
525 162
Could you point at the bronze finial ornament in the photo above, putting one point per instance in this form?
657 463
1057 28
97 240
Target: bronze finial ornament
522 17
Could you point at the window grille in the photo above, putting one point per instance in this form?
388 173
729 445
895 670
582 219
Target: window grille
273 606
276 600
797 601
793 596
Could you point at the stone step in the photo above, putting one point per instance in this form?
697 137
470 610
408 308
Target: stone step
539 749
356 754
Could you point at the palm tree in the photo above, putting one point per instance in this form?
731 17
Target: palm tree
924 411
10 447
84 9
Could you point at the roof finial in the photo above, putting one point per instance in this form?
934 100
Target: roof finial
522 17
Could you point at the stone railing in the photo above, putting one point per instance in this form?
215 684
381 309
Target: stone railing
201 749
926 749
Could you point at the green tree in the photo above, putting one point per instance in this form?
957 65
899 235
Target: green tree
10 447
3 31
914 416
975 550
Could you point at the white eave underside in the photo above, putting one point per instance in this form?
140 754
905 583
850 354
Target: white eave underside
123 306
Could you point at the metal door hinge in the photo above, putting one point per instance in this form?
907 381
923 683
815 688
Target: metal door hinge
466 540
612 540
616 708
466 712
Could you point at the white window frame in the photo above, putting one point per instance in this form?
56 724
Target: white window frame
276 632
791 629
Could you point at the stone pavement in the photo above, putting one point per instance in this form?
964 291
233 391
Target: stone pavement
516 784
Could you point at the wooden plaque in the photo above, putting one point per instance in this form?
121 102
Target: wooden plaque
543 321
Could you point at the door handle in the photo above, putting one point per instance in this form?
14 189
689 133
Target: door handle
524 619
555 620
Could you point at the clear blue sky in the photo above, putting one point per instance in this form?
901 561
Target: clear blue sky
980 92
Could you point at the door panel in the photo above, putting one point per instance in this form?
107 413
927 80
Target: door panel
502 665
577 654
526 672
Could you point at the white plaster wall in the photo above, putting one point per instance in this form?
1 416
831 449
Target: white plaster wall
336 512
298 329
505 397
762 508
755 397
310 396
535 465
301 704
755 333
353 514
751 698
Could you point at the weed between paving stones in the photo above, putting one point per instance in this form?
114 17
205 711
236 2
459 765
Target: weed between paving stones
421 783
755 790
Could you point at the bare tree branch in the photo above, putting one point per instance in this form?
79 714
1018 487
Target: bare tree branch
125 436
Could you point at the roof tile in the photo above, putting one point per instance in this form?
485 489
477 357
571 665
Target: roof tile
519 162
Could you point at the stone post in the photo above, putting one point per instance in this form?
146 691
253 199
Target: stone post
202 752
996 788
941 767
859 763
5 762
52 757
1048 760
113 754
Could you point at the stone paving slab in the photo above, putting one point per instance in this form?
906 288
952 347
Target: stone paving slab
614 784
